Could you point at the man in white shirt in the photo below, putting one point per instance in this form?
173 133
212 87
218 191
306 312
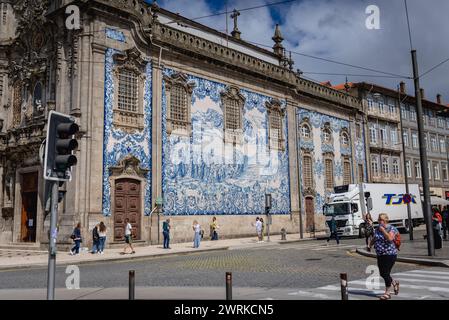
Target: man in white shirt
259 229
128 237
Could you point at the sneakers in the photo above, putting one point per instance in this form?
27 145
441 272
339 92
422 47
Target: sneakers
101 252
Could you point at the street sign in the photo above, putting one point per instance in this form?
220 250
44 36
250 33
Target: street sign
406 198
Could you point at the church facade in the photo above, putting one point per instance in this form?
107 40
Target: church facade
169 111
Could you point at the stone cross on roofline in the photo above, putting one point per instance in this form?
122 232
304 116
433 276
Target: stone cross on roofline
236 32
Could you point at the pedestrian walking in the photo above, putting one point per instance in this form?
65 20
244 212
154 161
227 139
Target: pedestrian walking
437 220
166 232
95 239
102 237
76 237
197 234
369 230
333 233
263 228
128 237
446 222
213 229
258 226
386 244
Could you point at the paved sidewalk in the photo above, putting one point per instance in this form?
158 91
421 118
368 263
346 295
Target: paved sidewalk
13 259
416 251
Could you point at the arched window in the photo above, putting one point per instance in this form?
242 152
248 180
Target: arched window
345 139
233 103
375 166
305 131
275 129
395 165
385 167
329 173
178 103
327 135
307 171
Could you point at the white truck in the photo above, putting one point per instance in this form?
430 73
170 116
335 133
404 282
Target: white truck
345 205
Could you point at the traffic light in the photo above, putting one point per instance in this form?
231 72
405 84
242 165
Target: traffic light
59 147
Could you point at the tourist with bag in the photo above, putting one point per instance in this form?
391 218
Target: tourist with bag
76 237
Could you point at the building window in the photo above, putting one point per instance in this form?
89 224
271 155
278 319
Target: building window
415 140
329 173
444 171
346 172
405 137
432 119
375 166
381 107
275 117
373 134
345 139
385 167
307 171
327 136
392 108
393 136
425 142
383 135
441 122
436 171
443 145
429 169
417 170
412 114
403 111
395 167
233 103
305 131
370 105
433 143
360 173
179 101
127 90
408 169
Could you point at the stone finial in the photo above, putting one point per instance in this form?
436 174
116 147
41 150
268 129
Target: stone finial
278 48
235 32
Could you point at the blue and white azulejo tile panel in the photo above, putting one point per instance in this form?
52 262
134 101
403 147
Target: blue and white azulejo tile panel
202 175
119 144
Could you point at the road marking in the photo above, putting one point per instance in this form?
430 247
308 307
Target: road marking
408 286
422 280
429 272
426 276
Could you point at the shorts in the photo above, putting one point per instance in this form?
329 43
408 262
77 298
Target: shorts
128 239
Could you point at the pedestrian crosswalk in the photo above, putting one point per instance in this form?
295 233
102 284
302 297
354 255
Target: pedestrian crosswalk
423 284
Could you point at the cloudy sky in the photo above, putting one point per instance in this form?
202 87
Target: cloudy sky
336 29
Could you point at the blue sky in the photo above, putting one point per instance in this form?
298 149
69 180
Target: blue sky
335 29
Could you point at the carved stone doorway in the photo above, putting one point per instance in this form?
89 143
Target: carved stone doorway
310 214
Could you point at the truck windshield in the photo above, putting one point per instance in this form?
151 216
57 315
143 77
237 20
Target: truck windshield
337 209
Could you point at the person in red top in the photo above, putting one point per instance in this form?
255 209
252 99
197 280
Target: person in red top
437 221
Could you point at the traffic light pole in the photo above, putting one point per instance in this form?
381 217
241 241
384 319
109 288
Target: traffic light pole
423 156
52 242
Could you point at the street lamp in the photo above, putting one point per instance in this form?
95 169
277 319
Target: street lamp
267 213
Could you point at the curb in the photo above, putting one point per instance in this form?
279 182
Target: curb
426 262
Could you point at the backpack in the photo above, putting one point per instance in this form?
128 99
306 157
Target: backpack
95 234
397 238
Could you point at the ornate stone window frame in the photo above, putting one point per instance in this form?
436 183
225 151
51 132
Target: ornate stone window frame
305 123
327 128
234 136
176 126
127 120
329 156
274 105
346 161
308 190
344 132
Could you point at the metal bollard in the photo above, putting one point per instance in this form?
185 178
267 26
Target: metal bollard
132 284
344 286
228 285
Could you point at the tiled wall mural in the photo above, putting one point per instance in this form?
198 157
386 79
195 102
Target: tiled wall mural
316 148
117 143
201 176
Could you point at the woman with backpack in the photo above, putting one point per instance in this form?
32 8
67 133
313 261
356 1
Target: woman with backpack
386 241
76 237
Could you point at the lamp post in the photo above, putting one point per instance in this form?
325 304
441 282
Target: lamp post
267 213
407 191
